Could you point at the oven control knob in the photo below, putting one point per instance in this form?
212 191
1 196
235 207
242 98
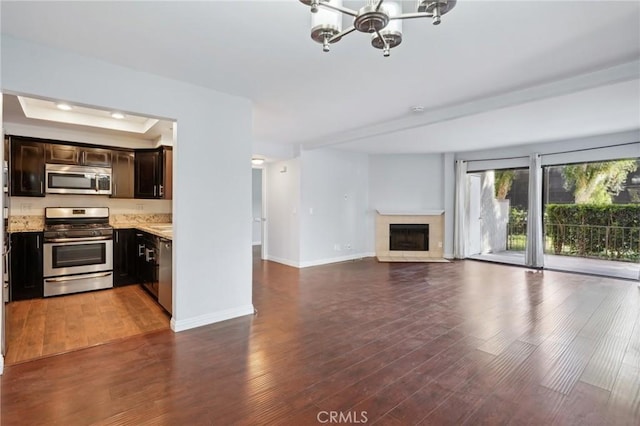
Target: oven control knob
60 235
95 233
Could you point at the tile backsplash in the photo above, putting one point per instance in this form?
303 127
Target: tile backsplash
34 206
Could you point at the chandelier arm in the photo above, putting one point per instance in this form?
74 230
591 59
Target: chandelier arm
344 10
412 16
379 5
384 41
341 34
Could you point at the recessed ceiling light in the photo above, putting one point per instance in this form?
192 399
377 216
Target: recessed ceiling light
257 161
63 106
117 115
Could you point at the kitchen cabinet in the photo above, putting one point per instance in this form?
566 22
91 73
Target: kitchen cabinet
146 246
124 257
147 174
154 173
122 174
26 163
25 259
167 172
77 155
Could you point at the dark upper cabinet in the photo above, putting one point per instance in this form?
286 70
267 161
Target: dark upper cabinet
122 174
154 173
147 174
77 155
62 154
167 173
27 167
96 157
125 257
25 260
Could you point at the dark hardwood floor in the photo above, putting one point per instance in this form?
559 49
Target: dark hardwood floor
386 343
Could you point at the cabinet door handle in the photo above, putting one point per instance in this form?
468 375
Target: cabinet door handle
38 241
117 234
154 190
161 191
42 187
140 249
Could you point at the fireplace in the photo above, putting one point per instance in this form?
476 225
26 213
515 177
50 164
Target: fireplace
408 237
411 236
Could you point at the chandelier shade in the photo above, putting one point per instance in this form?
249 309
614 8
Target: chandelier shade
391 35
326 23
382 19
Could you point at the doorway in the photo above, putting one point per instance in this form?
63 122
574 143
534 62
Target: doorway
258 229
34 326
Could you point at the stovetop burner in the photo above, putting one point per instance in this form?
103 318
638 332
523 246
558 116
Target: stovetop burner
76 223
76 226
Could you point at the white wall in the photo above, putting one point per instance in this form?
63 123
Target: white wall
334 200
256 205
211 209
283 205
406 182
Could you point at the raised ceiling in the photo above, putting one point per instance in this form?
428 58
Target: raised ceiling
492 74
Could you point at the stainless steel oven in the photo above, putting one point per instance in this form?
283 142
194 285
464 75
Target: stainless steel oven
77 256
63 179
78 250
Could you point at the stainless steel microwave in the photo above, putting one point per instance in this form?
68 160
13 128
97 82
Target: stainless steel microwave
62 179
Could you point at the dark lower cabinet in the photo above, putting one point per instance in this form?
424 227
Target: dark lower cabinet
125 257
25 259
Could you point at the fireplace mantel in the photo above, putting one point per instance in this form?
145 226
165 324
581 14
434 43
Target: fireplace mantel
410 212
433 218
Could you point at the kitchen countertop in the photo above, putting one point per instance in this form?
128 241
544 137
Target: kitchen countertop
152 228
36 224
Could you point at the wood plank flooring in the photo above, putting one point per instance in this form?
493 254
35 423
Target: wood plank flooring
43 327
461 343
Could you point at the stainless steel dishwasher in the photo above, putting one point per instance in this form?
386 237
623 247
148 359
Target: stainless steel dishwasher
165 287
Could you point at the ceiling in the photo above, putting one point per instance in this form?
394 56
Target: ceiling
82 120
492 74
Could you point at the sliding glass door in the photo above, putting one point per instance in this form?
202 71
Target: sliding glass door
497 214
592 217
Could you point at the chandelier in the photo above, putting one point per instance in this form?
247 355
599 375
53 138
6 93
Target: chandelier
382 19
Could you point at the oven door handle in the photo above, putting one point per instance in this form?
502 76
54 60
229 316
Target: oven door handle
76 277
77 240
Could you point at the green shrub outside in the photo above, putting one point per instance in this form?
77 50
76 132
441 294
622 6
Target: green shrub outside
610 242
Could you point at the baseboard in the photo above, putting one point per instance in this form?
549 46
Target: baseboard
256 243
321 261
449 256
189 323
283 261
335 259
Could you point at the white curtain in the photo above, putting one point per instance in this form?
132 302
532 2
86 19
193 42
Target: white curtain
460 216
534 254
